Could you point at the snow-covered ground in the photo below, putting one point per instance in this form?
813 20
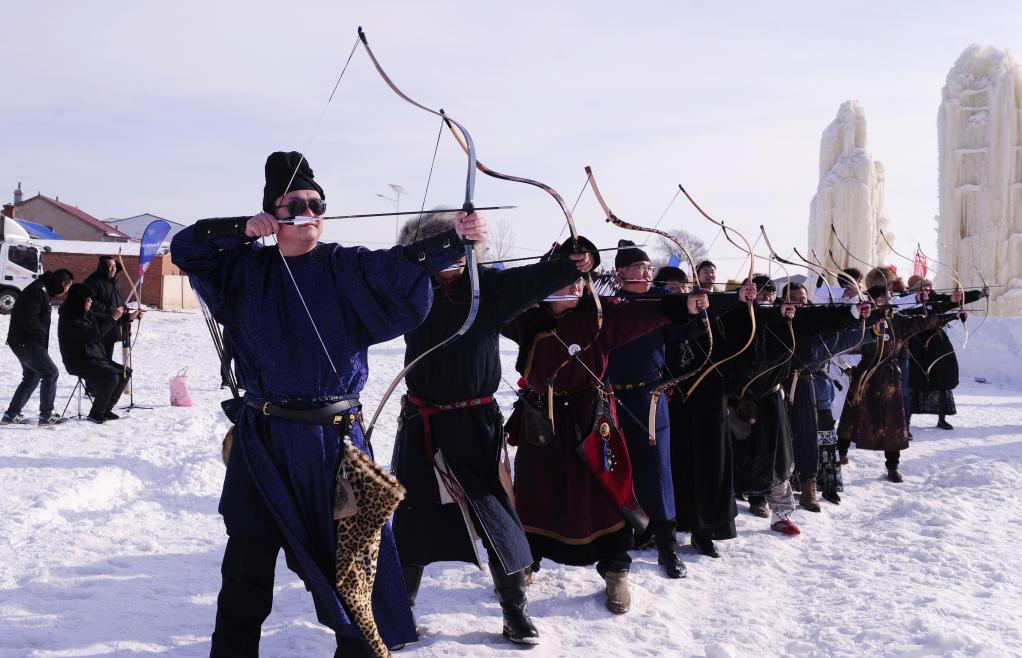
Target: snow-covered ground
111 542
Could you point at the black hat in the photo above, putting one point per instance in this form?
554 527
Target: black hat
628 253
569 247
669 273
287 172
704 263
763 282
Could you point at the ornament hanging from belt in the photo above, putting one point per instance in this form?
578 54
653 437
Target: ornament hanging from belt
605 454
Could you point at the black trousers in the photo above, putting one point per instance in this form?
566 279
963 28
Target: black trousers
107 379
246 598
893 458
36 367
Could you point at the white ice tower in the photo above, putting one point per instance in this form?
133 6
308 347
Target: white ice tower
850 196
980 221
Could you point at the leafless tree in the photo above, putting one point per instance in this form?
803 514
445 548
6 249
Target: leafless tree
666 248
502 240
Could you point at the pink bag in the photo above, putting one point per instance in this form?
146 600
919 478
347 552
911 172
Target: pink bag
179 395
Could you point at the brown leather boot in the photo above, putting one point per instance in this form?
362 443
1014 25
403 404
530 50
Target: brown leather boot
807 499
619 599
894 476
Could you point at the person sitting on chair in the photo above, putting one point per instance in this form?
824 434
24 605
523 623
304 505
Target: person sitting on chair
81 348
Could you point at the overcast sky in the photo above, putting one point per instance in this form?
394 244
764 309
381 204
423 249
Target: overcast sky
122 108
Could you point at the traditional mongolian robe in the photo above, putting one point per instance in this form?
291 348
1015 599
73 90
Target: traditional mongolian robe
634 371
567 516
701 457
812 354
931 392
469 434
874 414
281 473
766 457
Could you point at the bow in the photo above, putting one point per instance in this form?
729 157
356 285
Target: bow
870 371
569 220
471 264
669 383
961 308
750 303
823 268
986 294
787 300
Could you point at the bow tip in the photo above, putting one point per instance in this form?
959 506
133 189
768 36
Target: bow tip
362 35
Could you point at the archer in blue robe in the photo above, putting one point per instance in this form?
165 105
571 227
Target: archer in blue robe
634 371
279 486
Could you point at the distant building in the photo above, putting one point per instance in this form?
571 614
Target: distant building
165 287
65 220
135 226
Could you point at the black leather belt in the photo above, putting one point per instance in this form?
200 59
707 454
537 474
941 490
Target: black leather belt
629 387
336 413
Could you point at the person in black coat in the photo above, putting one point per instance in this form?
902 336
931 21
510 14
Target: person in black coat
81 347
933 366
29 338
449 449
106 299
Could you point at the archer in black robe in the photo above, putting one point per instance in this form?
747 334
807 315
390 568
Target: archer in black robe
701 458
471 438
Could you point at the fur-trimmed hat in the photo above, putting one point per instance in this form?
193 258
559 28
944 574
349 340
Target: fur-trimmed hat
425 226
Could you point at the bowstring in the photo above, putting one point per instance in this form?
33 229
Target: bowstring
573 206
662 215
287 189
429 177
577 359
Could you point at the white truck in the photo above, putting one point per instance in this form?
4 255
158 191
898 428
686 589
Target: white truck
21 263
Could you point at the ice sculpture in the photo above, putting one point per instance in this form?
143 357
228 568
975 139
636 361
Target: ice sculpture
850 196
979 225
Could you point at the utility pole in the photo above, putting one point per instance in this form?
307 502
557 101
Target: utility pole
396 200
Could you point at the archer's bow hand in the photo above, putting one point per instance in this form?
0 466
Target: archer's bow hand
471 227
788 310
747 293
697 302
584 262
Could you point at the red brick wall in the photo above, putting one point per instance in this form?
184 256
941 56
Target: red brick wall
82 265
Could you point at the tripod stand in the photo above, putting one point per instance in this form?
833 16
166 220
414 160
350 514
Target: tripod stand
129 370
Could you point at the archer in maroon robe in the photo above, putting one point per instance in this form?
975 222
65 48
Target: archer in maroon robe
567 515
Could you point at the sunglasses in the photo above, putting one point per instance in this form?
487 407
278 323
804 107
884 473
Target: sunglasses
297 207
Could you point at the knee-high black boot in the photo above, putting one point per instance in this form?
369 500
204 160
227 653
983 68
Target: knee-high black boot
667 549
413 577
510 589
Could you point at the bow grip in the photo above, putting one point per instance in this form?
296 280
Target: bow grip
468 207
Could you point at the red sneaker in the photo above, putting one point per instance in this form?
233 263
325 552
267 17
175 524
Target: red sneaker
786 527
